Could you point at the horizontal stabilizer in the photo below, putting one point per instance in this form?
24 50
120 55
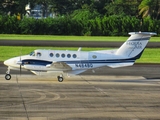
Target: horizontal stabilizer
117 65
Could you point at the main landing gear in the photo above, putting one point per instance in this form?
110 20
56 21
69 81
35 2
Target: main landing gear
60 78
8 76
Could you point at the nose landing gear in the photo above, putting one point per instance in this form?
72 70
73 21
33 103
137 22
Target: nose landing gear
8 76
60 78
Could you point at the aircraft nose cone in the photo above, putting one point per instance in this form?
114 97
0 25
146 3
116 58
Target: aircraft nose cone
6 62
14 62
9 62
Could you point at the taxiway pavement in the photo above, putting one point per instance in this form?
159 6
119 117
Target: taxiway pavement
100 97
146 70
71 43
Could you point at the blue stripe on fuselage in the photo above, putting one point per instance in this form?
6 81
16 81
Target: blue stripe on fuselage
44 63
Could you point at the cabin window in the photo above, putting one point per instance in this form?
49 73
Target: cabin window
94 56
51 54
74 55
38 54
68 55
57 55
63 55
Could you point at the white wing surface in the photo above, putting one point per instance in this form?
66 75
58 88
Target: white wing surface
59 65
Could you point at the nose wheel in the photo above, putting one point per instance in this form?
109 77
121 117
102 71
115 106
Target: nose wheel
7 76
60 78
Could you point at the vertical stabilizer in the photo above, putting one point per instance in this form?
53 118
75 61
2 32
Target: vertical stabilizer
135 44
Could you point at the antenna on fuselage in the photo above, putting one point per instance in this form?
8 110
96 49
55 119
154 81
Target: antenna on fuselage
79 49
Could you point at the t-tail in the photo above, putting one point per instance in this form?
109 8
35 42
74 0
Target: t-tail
135 45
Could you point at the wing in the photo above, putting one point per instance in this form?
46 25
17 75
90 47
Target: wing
59 66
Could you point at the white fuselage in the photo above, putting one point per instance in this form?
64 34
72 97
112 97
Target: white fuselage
40 60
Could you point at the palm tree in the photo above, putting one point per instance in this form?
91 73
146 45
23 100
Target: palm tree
149 8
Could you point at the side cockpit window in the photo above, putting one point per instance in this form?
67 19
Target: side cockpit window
32 54
39 54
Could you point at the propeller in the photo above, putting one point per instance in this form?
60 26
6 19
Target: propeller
20 67
20 63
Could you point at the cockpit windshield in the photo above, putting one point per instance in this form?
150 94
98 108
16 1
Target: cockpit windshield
32 53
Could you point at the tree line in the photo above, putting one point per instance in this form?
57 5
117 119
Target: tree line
99 26
82 17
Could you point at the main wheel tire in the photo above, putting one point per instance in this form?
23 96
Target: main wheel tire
7 76
60 79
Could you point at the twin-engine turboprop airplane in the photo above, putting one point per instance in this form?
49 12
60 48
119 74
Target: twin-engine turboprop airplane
59 62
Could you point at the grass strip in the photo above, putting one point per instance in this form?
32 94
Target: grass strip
150 55
66 38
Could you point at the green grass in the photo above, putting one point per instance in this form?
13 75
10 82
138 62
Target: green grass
74 38
6 52
150 55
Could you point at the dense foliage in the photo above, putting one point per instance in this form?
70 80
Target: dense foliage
112 25
81 17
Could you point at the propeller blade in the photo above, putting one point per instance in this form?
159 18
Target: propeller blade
20 69
20 62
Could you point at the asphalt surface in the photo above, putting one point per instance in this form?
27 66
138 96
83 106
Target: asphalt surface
69 43
30 97
149 71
